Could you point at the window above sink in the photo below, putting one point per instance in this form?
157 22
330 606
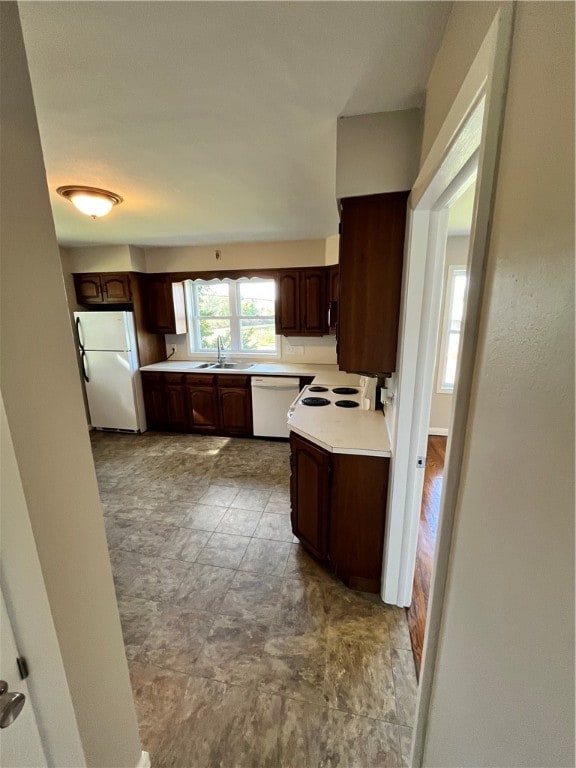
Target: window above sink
240 312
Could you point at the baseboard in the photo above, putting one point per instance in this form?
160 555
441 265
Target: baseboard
438 431
144 761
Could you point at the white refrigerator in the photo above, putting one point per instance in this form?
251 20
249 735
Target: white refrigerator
109 366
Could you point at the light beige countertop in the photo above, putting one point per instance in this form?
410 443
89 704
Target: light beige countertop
326 374
342 430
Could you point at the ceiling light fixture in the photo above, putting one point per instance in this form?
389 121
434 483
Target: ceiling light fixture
92 201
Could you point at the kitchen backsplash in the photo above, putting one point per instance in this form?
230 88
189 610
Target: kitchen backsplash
293 350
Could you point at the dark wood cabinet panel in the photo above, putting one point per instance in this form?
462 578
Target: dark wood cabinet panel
371 259
165 305
154 400
176 406
333 291
235 410
116 288
338 506
103 288
358 516
310 495
313 301
88 289
203 407
302 302
288 303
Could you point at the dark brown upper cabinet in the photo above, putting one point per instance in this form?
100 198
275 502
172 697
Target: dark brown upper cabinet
165 305
302 302
103 288
372 230
333 292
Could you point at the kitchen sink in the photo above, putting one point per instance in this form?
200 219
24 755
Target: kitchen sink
196 366
229 366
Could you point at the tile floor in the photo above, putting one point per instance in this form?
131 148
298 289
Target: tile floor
242 650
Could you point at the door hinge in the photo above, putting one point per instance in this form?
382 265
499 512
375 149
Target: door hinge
22 667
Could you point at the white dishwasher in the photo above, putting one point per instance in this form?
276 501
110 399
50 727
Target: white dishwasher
271 398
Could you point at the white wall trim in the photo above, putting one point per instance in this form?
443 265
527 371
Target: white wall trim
144 761
440 431
498 42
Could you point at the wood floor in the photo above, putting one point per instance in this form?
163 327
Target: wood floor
426 544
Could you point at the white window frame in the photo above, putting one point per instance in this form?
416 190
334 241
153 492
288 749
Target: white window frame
453 271
194 348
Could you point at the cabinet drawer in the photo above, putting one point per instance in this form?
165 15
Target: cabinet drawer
233 381
174 378
199 380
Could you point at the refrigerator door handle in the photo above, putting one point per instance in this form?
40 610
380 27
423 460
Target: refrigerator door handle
79 334
84 366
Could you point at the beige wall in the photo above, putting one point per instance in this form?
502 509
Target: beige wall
272 255
503 690
466 28
377 152
441 407
42 396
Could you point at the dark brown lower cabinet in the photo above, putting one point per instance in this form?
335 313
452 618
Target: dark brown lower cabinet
310 495
339 510
235 404
176 406
202 404
155 400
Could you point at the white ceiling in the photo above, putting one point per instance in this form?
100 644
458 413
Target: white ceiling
216 121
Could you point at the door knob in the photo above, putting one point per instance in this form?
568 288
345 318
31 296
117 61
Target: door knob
10 705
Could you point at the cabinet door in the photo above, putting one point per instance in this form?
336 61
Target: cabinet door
176 402
310 495
288 303
235 406
334 282
154 400
88 289
371 259
203 408
313 303
116 289
159 304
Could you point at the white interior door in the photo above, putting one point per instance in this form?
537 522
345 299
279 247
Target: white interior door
20 744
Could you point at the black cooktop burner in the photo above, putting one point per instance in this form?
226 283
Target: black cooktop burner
315 401
317 389
345 391
347 404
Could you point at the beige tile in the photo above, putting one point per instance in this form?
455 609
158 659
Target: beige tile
251 596
224 550
301 565
218 495
398 628
359 679
184 544
347 741
405 685
263 556
251 499
278 506
176 637
203 587
241 522
274 527
299 731
295 664
203 517
405 735
152 578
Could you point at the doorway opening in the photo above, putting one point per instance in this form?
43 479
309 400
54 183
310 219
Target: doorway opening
454 283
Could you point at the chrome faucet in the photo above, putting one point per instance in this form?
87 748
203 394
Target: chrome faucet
220 346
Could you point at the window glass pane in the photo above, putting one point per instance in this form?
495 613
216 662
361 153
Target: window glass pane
451 359
213 300
210 329
257 298
257 334
457 308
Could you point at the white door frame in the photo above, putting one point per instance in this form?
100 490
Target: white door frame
467 143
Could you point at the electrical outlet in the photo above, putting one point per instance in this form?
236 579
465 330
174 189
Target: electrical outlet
290 349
